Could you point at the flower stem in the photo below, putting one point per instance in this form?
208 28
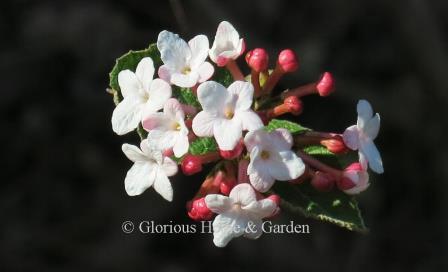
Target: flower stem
300 91
255 78
319 165
233 68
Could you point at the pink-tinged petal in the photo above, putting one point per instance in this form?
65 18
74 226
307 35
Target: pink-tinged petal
365 113
372 155
351 137
226 36
361 180
282 139
221 61
164 73
169 167
129 83
157 121
218 203
256 138
199 50
372 127
244 91
181 146
227 133
162 139
250 120
159 93
243 194
140 177
174 51
212 96
133 153
287 166
203 124
173 109
127 115
145 72
185 80
205 71
227 226
162 185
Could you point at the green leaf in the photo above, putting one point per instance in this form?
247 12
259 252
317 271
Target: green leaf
186 96
130 61
203 145
335 207
223 76
292 127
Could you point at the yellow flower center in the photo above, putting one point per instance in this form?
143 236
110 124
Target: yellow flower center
186 70
265 155
176 126
229 113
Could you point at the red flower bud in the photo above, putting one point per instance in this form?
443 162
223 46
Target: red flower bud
335 145
325 86
232 154
257 59
322 182
275 198
293 104
191 165
287 60
197 210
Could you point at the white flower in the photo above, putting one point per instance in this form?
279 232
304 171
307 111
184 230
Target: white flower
167 130
227 44
141 95
226 112
184 64
360 136
150 169
239 214
271 158
357 173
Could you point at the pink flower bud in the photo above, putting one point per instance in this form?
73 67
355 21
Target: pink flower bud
287 60
325 86
276 199
257 59
355 179
191 165
232 154
356 166
227 185
293 104
322 182
168 152
335 145
198 210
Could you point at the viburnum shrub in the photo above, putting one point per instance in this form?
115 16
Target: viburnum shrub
189 112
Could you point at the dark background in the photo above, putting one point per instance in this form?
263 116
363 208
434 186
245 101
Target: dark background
62 199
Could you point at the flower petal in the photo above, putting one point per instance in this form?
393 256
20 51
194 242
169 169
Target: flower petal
286 166
227 133
162 139
173 109
185 80
243 194
157 120
282 139
133 153
244 91
139 178
174 51
372 127
250 120
159 93
181 145
351 137
165 72
212 96
372 155
169 167
203 124
226 227
129 83
361 185
365 113
127 115
256 138
145 72
218 203
262 208
199 50
205 71
163 186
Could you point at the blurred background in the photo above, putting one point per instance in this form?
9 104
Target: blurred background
62 199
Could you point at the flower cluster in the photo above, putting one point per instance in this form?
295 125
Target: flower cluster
234 117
